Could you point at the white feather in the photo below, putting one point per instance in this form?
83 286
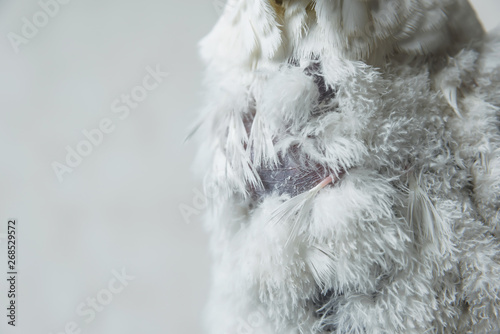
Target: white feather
296 210
424 218
365 89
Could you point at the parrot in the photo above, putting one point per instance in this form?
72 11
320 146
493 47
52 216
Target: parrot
351 153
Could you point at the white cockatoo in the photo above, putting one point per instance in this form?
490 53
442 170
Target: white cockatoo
351 149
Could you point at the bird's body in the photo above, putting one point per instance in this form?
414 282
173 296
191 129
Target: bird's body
355 149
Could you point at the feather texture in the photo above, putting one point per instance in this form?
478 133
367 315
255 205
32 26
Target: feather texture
319 115
256 32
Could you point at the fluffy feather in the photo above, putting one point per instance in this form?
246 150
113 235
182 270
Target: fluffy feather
398 102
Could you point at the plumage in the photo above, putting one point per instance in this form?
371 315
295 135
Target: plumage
355 149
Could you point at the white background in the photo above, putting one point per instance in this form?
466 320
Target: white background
120 207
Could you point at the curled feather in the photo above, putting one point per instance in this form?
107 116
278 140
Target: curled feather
424 218
321 265
297 209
